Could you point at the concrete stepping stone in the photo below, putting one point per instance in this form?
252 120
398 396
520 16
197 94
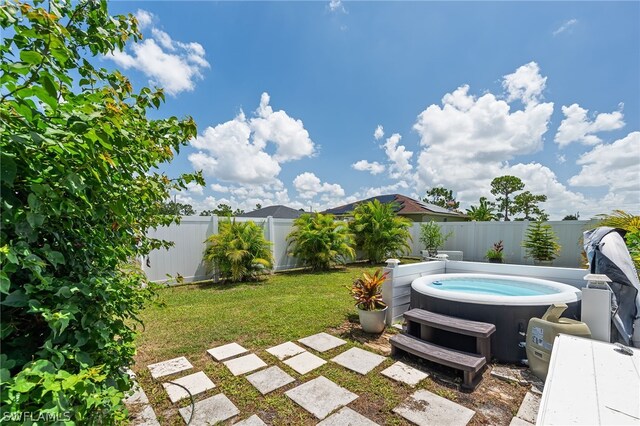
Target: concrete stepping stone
359 360
404 373
425 409
244 364
285 350
529 407
519 422
347 416
220 353
322 342
251 421
269 379
320 396
145 417
210 411
196 383
172 366
305 362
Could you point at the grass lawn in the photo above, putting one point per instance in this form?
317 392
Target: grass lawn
287 306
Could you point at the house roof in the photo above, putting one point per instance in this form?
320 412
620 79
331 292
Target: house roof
277 212
405 205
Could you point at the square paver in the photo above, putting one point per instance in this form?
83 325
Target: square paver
244 364
285 350
528 410
196 383
251 421
404 373
171 366
347 416
425 409
269 379
305 362
359 360
322 342
519 422
210 411
320 396
223 352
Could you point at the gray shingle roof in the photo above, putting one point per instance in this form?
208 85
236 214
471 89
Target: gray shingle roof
277 212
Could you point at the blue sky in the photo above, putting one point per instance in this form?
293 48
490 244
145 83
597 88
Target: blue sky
315 104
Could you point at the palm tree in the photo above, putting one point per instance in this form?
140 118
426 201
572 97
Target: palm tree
630 223
379 231
239 251
319 242
484 212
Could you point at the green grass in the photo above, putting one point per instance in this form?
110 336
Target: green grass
193 318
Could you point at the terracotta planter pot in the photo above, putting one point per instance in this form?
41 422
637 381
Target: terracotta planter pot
373 321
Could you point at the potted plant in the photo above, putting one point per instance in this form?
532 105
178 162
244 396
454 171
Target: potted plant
541 243
432 238
496 253
367 292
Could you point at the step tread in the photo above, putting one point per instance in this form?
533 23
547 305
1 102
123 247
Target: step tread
432 352
449 323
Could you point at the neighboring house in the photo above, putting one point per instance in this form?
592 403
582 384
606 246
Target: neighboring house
417 211
276 212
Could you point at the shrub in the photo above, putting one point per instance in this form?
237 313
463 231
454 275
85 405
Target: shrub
379 231
496 252
540 242
79 191
320 242
367 291
432 238
239 251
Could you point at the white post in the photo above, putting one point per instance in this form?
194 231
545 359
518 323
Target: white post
214 224
388 288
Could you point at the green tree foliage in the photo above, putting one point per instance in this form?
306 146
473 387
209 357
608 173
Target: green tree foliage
239 251
79 188
258 206
379 231
320 242
503 188
526 203
442 197
483 212
432 237
540 242
572 217
177 209
630 223
223 210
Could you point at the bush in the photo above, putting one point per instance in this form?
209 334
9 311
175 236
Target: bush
540 242
239 252
79 192
432 238
367 291
320 242
379 231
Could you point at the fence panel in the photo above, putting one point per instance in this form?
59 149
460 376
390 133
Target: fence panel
472 238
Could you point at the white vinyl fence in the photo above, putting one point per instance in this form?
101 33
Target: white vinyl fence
185 258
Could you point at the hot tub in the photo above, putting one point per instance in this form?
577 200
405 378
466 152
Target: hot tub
507 301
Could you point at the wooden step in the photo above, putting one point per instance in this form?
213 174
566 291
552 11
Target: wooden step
452 324
470 364
450 357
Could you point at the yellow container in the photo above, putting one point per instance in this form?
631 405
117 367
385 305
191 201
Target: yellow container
541 333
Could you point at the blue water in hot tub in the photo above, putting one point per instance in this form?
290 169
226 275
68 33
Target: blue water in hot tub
492 286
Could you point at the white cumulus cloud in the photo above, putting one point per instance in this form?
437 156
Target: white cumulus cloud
309 185
577 127
364 166
378 133
398 156
336 6
525 84
236 151
172 65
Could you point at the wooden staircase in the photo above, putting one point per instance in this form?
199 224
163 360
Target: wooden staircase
416 341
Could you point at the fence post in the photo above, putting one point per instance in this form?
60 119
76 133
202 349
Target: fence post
214 224
388 288
271 236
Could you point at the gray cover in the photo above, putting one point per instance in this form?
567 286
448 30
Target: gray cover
607 254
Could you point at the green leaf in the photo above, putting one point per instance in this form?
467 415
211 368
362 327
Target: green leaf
5 283
30 56
16 299
84 359
56 258
8 169
49 86
35 219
